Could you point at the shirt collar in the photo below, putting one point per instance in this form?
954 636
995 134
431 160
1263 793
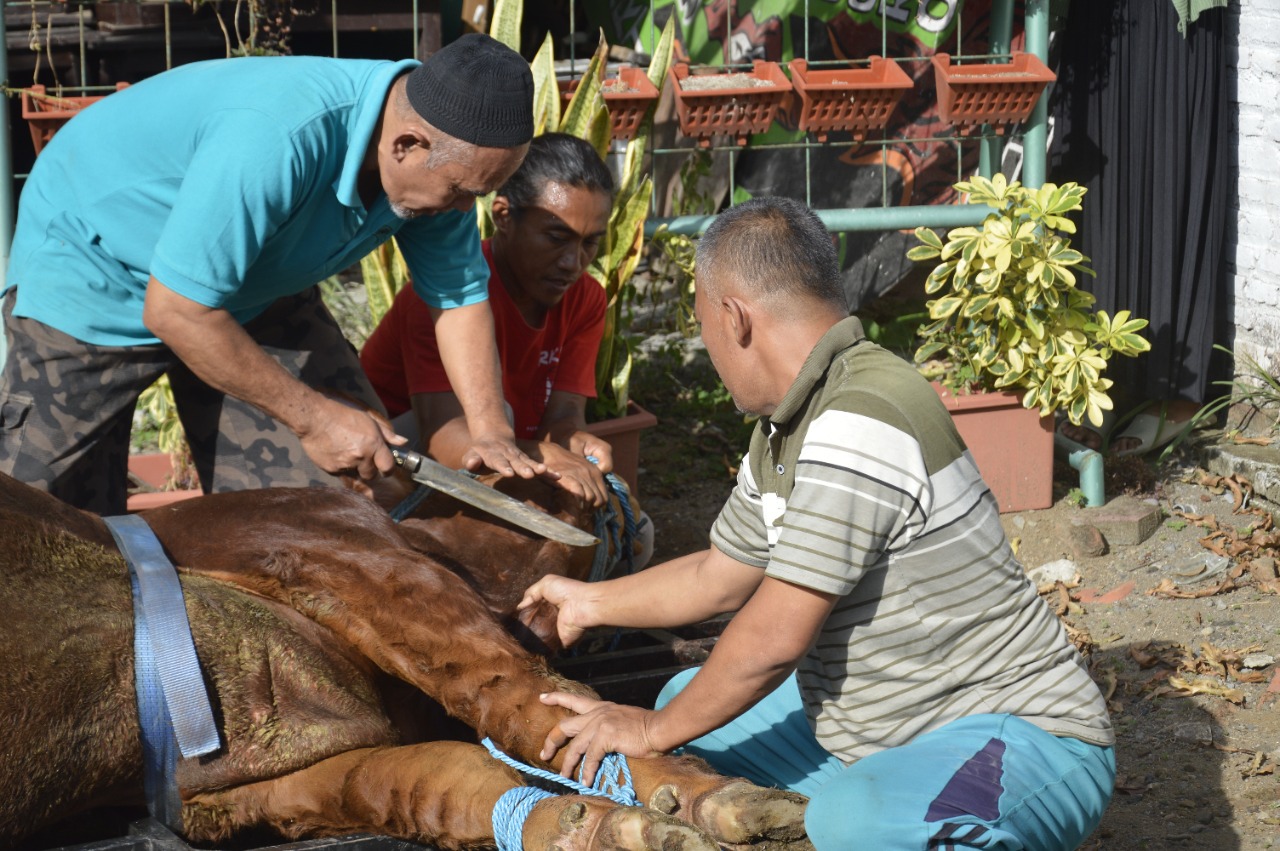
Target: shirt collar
361 121
843 335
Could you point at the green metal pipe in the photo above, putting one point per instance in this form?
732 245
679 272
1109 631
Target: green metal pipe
854 219
1036 138
991 148
1091 466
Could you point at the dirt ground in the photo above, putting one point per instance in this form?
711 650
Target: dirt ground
1183 640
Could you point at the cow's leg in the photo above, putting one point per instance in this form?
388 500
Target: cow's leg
337 559
441 793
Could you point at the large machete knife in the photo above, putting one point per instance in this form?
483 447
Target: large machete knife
432 473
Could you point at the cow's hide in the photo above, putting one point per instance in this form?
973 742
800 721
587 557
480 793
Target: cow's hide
321 633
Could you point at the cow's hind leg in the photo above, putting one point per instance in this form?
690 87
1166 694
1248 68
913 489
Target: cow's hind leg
439 793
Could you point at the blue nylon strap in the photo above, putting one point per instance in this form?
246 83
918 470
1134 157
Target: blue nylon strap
159 748
161 604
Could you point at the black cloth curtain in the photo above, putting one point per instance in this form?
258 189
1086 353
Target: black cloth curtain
1142 120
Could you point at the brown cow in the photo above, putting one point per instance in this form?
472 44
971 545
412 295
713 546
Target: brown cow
310 611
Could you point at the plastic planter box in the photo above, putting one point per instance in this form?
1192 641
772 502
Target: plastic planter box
627 96
737 112
856 100
972 95
45 115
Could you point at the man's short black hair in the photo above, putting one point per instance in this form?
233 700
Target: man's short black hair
773 246
556 158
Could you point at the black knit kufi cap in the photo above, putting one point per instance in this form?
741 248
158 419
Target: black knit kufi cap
475 89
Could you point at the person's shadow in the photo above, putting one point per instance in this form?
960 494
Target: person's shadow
1169 766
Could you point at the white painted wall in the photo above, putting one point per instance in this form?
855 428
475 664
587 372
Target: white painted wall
1254 235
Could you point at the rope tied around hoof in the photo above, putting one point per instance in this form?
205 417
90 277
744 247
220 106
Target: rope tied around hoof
510 813
613 780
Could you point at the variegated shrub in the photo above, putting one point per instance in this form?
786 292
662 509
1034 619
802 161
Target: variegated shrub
1007 313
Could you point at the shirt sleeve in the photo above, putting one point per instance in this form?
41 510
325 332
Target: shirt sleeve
861 486
583 332
228 206
740 532
444 257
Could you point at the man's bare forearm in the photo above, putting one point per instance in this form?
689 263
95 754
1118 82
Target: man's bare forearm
470 357
223 355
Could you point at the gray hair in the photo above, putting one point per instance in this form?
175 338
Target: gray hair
445 149
773 247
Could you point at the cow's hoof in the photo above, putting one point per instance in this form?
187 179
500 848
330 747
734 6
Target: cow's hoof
741 813
576 823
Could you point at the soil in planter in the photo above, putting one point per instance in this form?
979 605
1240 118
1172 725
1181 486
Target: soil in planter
703 82
618 87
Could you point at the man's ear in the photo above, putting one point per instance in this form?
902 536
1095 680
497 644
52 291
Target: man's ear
501 212
738 313
408 140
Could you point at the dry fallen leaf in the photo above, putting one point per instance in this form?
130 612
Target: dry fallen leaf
1206 687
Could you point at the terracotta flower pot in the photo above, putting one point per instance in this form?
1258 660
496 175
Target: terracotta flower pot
1012 446
154 470
627 97
972 95
623 435
839 99
45 114
738 111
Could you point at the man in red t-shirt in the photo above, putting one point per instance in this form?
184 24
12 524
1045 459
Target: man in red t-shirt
548 316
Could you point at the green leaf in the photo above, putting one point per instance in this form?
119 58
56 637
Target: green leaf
943 307
929 237
923 252
546 91
506 22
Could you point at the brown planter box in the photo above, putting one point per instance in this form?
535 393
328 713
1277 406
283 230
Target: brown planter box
839 99
45 117
737 112
972 95
623 435
1012 446
154 469
626 108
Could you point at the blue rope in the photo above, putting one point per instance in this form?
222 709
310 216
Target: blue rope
411 502
613 780
612 535
510 813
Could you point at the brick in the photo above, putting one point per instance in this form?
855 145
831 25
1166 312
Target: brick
1117 593
1124 521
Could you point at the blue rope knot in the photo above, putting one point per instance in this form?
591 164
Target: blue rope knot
620 537
613 780
510 813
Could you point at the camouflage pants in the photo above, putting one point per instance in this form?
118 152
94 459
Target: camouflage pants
66 407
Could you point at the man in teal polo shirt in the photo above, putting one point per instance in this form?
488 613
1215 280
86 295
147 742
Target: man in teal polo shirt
181 226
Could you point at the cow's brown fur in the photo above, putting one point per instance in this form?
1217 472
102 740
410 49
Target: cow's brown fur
304 605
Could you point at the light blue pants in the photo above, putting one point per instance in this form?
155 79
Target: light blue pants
986 781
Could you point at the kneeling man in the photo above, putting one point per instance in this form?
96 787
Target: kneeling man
888 656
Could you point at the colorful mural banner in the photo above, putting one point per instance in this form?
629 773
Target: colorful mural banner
917 168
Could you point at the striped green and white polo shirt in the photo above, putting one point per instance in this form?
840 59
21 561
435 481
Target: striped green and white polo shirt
858 485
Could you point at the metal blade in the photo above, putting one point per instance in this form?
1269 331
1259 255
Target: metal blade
429 472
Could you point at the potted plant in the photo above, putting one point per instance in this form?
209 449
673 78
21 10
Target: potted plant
627 96
727 102
972 95
853 99
1007 318
45 113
